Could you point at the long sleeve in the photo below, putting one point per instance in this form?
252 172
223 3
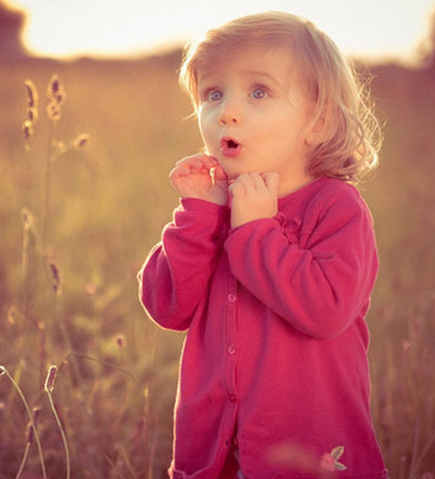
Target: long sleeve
275 315
178 269
319 280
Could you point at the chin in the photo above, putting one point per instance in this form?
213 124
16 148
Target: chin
231 174
231 169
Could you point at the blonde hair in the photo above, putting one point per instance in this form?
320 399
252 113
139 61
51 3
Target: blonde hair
349 137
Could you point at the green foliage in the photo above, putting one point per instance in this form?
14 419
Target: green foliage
84 197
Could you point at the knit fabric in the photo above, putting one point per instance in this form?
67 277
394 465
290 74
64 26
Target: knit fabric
276 344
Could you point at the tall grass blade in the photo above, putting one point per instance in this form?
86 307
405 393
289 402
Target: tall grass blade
5 372
49 387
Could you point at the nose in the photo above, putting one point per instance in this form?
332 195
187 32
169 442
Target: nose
230 113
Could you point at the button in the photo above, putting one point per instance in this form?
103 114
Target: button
231 349
231 298
232 398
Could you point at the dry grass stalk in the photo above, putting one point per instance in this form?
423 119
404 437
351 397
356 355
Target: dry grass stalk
30 439
29 259
49 388
5 372
50 379
29 236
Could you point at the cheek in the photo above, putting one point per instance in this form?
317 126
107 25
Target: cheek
207 131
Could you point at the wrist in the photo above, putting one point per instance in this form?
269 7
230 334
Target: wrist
207 199
192 203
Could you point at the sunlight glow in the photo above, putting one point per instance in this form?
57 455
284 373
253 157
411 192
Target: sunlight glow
131 27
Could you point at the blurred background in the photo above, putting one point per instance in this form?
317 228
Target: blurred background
91 122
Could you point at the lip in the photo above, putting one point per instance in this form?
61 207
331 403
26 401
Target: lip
230 147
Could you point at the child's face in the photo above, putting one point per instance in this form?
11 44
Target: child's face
254 115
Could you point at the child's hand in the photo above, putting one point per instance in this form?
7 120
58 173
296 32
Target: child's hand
192 178
254 196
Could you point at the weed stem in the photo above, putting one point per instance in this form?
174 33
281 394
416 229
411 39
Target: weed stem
49 385
48 174
23 461
4 371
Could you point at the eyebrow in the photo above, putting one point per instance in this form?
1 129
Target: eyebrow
261 74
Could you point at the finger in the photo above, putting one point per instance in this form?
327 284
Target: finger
219 173
271 179
198 161
212 160
178 172
205 162
237 189
245 180
199 164
251 181
257 181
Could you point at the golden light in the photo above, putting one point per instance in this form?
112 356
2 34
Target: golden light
63 28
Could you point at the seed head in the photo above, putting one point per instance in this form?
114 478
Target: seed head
55 90
32 94
81 141
27 219
56 277
56 94
12 314
32 114
54 111
50 379
27 130
32 109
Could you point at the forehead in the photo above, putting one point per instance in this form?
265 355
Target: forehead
275 63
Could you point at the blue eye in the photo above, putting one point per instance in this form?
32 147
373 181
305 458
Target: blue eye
214 95
259 93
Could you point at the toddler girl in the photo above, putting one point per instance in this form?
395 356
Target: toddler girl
270 260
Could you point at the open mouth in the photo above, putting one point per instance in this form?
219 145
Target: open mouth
232 144
230 147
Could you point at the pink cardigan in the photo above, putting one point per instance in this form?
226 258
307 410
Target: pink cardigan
276 349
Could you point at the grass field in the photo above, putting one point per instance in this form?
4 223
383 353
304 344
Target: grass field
76 224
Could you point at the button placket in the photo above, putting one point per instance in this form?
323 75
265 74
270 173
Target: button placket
231 335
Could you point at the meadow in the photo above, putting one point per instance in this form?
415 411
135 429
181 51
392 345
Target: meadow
84 195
